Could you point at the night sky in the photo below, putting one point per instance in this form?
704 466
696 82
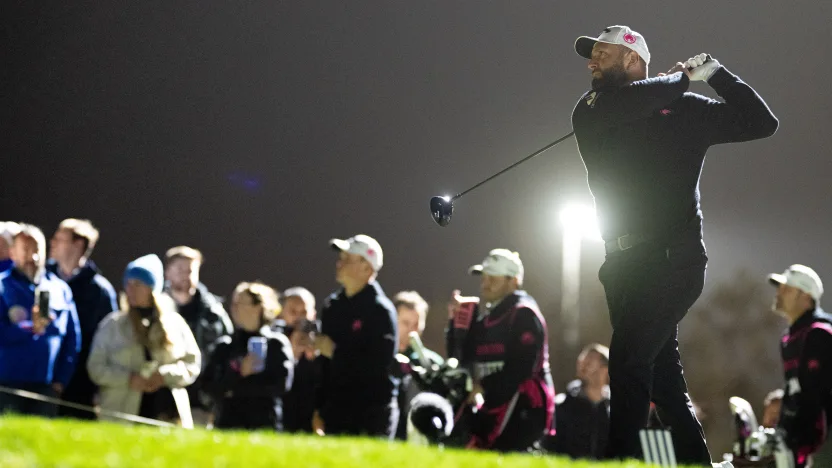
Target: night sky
257 130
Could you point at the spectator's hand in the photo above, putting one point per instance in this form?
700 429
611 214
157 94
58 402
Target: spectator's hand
58 389
325 345
456 300
137 382
317 424
476 393
302 345
247 364
40 323
155 382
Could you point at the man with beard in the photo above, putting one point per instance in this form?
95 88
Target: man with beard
643 142
806 348
506 349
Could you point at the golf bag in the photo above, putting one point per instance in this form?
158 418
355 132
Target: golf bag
756 445
440 414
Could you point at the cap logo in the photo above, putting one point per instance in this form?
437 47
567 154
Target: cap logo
629 38
371 252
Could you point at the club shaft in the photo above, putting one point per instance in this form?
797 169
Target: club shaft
541 150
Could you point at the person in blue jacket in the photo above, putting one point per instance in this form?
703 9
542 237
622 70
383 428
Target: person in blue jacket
38 352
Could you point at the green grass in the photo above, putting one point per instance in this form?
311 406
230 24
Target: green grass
30 442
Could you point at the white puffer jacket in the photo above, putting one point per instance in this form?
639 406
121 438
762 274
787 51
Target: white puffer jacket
116 354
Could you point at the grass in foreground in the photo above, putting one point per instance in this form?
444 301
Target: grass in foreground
31 442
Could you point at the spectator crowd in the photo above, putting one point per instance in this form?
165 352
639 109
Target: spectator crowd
165 348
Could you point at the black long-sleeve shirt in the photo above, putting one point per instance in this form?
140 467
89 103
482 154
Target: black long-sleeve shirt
365 332
253 401
807 402
644 144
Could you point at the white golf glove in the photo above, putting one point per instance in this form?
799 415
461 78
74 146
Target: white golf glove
702 67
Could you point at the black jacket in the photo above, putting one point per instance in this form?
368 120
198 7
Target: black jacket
365 332
644 144
94 298
209 322
806 413
255 401
582 425
299 402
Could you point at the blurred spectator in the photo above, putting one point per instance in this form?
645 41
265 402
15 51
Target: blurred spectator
38 349
298 304
506 348
144 355
806 349
583 411
771 408
359 331
247 383
412 311
202 311
8 230
70 250
298 322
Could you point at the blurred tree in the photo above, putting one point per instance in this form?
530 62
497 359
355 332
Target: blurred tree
729 344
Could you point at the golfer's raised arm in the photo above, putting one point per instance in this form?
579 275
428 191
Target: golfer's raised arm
743 116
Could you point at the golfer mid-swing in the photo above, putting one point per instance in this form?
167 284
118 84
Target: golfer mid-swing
643 142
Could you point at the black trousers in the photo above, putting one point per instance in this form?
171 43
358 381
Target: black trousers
27 406
649 289
359 420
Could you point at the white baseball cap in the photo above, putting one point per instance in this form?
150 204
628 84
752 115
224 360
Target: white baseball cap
800 277
621 35
362 245
500 262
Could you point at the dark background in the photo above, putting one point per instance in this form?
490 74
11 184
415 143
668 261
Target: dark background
255 131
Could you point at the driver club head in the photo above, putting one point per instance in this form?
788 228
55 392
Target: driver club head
441 209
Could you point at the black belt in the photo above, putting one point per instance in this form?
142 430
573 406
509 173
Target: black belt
622 243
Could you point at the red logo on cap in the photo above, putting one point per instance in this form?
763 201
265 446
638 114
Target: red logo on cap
629 38
371 252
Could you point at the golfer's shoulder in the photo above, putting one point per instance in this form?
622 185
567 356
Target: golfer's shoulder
587 101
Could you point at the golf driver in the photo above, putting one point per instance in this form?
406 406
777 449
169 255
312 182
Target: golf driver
442 208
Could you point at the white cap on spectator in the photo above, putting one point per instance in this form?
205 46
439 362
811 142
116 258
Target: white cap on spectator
500 262
362 245
802 278
9 229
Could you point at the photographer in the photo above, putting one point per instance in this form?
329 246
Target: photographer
249 372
